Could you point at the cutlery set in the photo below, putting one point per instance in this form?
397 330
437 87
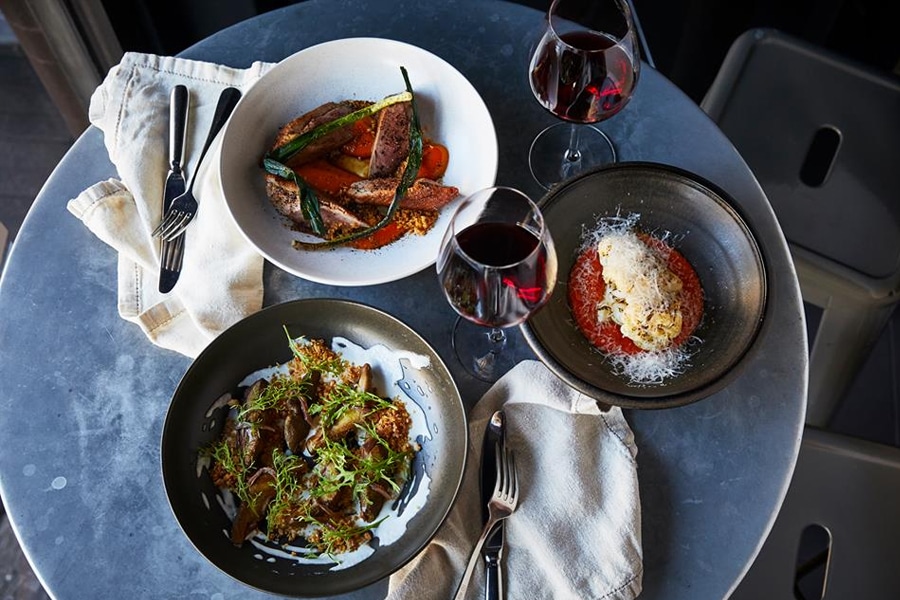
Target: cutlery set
179 203
500 496
172 252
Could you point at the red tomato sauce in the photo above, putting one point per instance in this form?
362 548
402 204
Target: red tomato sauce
586 289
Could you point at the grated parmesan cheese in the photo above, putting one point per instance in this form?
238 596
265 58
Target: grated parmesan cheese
642 295
651 368
643 272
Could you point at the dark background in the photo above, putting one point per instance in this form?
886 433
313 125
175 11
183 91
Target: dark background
687 39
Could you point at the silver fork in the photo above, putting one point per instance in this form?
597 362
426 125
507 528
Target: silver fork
503 503
184 207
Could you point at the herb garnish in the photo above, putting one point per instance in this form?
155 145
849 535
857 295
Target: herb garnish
330 494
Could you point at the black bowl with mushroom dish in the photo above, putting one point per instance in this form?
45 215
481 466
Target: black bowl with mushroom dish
314 448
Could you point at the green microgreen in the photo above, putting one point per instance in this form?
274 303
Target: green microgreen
222 453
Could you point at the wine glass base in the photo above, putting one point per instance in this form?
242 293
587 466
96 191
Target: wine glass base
553 157
481 350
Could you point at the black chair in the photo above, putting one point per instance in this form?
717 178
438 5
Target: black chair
822 135
838 532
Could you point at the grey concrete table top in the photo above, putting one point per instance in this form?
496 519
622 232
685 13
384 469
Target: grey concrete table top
83 394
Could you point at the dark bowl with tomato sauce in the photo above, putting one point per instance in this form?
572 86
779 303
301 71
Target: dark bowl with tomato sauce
699 234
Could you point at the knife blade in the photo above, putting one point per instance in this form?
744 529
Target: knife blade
171 253
494 435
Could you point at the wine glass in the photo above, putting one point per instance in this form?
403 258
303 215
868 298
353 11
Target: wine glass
583 70
497 265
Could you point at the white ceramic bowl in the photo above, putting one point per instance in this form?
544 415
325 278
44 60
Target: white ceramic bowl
451 112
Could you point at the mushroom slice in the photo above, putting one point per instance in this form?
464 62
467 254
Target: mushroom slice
261 489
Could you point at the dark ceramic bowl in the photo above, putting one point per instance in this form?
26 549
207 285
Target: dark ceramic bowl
257 342
708 231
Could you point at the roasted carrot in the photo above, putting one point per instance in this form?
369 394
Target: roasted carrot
363 139
381 237
435 158
323 176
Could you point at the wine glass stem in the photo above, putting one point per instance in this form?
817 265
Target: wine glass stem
573 153
498 339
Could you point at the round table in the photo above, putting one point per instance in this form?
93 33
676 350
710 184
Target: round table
84 394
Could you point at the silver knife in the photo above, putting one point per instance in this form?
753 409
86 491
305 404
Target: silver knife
171 253
493 545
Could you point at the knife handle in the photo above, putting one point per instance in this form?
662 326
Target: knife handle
493 586
178 109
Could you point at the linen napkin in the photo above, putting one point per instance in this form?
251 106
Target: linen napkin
576 533
221 278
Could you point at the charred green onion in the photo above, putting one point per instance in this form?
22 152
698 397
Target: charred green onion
309 201
289 149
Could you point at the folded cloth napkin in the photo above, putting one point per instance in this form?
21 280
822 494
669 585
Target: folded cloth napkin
576 533
221 278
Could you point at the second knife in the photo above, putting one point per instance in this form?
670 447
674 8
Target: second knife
494 435
171 253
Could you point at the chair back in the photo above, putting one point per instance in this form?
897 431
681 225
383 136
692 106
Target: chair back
822 135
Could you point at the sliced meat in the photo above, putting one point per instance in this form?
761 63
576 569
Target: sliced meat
323 146
424 194
372 499
284 197
391 145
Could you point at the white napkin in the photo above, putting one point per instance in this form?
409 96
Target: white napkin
576 533
221 279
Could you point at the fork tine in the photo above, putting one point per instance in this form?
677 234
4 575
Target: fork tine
514 485
177 228
507 479
160 227
165 223
503 470
171 222
498 467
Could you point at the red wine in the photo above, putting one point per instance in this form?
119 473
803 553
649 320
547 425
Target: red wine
501 279
497 244
582 76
